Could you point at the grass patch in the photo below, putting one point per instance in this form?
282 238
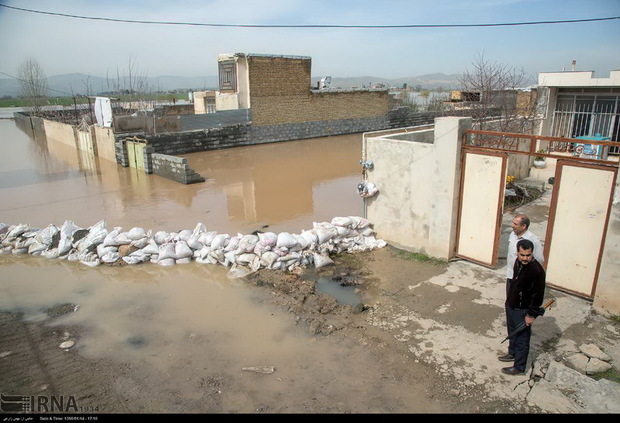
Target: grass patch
419 257
611 374
615 318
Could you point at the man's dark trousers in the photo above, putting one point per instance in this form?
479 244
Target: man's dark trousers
519 345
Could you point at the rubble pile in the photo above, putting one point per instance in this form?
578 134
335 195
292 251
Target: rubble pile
241 253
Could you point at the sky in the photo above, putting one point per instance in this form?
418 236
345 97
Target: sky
98 47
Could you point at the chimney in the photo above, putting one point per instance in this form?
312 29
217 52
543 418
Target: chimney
572 67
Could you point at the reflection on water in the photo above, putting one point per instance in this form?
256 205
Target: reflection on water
184 314
286 186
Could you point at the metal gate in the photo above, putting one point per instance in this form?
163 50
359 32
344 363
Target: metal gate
135 152
578 218
483 180
579 210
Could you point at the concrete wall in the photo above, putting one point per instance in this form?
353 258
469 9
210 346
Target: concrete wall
607 296
104 139
147 124
417 175
60 132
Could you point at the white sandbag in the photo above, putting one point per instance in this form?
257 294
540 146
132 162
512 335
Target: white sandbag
286 240
166 262
321 260
89 259
194 241
184 260
151 248
207 237
233 243
260 249
237 272
102 249
96 235
182 250
359 222
183 235
6 250
110 238
268 239
36 248
343 231
310 237
268 258
245 258
290 256
218 255
130 259
136 233
140 243
109 257
167 251
220 241
161 237
247 243
302 242
17 230
325 233
45 236
342 221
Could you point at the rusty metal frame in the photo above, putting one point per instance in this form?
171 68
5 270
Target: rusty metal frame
470 144
504 156
552 214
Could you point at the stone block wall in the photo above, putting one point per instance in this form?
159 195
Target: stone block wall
174 168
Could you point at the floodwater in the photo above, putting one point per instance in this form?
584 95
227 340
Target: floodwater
191 318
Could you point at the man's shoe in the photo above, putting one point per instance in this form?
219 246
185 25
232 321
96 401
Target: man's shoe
512 371
506 358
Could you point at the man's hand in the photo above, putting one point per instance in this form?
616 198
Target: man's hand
529 320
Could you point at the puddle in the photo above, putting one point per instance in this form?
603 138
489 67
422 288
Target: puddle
346 295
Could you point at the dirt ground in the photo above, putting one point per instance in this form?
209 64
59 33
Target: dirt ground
382 277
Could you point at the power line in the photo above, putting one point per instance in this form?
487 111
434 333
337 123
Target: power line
34 83
314 25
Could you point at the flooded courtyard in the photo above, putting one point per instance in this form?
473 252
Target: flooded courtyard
189 323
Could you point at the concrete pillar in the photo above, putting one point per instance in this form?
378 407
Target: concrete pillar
446 183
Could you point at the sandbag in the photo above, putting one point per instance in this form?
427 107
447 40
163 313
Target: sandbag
247 243
321 260
286 240
182 250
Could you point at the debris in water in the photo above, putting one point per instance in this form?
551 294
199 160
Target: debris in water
260 369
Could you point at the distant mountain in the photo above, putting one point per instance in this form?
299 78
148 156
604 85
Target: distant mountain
80 84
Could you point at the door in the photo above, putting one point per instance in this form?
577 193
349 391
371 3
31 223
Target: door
483 182
135 154
578 219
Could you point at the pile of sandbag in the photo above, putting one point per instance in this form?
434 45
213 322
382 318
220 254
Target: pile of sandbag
241 253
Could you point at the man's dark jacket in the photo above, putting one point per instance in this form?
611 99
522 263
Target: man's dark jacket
527 288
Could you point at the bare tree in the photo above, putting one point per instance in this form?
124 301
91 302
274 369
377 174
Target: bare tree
497 91
134 86
34 87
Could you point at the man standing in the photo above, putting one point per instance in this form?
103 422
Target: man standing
520 230
523 303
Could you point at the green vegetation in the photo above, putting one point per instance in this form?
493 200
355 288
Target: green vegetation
611 374
70 101
407 255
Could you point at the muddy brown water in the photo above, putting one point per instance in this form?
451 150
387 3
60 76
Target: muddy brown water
175 319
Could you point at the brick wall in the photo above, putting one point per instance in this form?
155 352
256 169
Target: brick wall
280 93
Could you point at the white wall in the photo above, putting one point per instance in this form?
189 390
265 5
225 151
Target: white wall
417 174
